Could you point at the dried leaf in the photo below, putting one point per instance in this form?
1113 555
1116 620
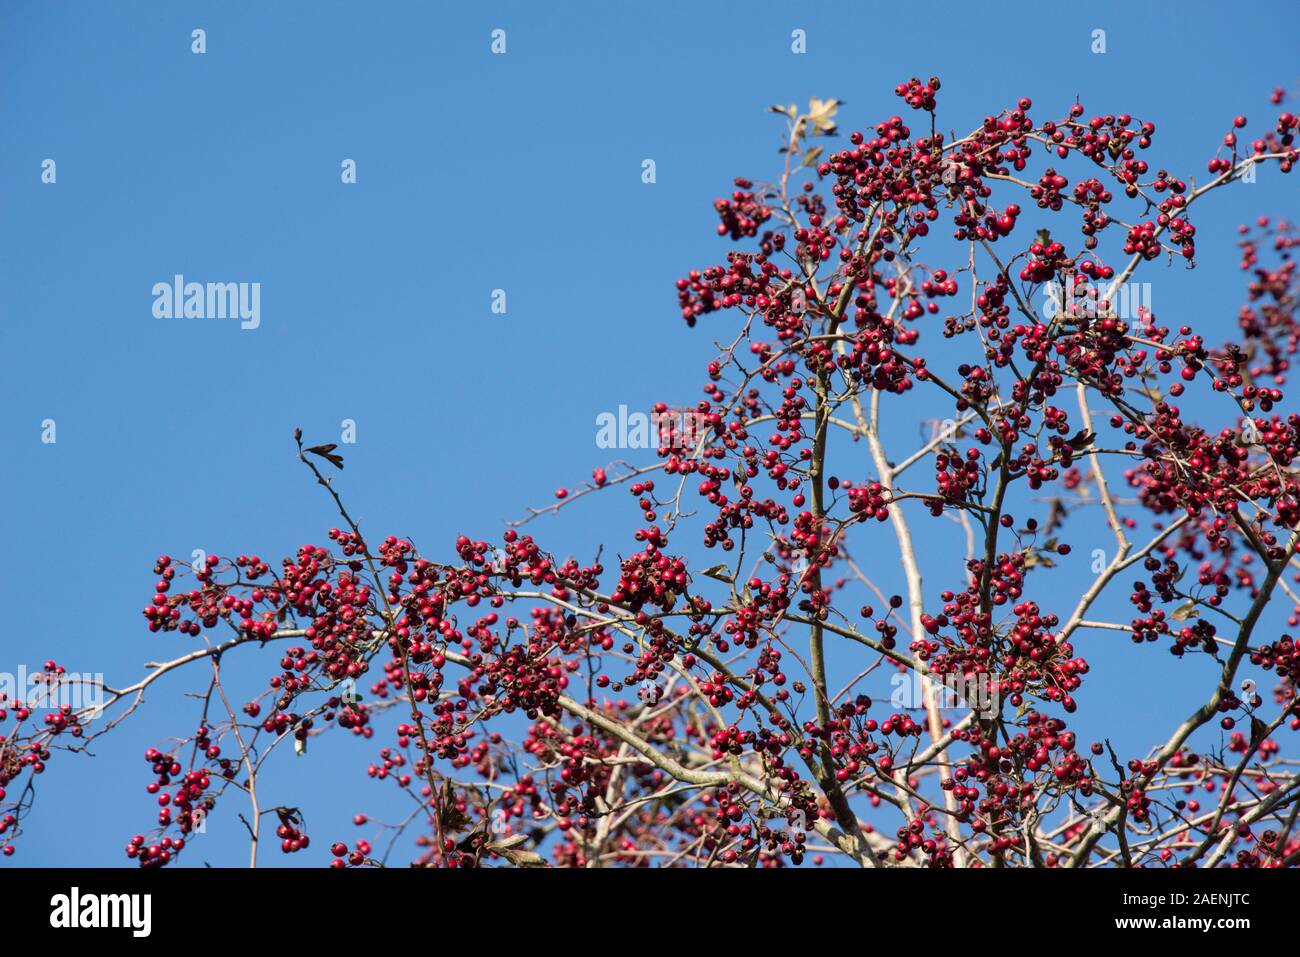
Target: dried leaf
1034 558
720 573
328 454
290 816
1258 731
515 855
821 116
1055 517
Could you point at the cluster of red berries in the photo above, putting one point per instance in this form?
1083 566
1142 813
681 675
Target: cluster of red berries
1045 261
292 838
743 214
342 857
918 95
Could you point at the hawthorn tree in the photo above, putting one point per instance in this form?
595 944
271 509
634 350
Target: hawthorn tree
643 711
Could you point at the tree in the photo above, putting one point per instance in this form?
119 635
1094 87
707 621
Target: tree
646 712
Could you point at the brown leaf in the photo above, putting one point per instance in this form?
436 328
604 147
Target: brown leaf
1258 731
1055 516
328 454
720 572
510 850
821 115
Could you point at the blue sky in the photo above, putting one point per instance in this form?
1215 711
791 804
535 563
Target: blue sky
475 172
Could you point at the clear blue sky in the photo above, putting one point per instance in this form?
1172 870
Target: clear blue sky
475 172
